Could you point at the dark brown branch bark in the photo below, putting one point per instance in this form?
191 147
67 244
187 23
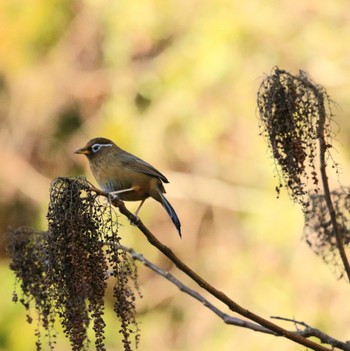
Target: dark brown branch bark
233 306
310 331
306 332
225 317
331 210
324 177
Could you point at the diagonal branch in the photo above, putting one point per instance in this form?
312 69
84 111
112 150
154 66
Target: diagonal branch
310 331
306 332
233 306
225 317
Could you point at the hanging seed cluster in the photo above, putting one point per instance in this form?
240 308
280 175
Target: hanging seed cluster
124 305
319 232
26 247
72 263
123 269
294 114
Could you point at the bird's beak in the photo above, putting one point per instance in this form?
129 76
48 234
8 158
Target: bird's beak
82 151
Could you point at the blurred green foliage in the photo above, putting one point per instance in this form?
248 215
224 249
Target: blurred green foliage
174 82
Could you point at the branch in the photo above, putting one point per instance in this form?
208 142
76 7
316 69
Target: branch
331 209
310 331
306 333
324 177
225 317
233 306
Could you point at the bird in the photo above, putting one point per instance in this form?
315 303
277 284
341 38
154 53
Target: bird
121 173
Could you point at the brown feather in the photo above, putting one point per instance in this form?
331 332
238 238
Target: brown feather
116 169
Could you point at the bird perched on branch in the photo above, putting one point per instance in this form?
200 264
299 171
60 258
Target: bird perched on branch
120 173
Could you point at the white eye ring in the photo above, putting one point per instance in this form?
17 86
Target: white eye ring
96 147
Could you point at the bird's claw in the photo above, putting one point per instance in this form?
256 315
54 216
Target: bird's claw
111 197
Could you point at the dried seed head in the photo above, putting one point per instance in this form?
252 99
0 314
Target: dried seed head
319 231
64 270
294 114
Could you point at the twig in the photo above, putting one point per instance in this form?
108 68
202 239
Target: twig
310 331
225 317
205 285
306 332
324 177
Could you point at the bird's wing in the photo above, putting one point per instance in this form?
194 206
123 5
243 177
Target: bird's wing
137 165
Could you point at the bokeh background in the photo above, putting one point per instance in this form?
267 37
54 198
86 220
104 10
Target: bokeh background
175 82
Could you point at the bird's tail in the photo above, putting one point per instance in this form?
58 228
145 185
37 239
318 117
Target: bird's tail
171 212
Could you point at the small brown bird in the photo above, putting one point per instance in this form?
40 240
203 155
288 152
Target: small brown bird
120 173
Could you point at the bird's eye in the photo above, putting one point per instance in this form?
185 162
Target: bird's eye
96 147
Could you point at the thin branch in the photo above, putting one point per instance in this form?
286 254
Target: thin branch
225 317
233 306
324 177
310 331
307 332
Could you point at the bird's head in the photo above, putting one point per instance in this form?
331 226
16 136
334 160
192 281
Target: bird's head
96 147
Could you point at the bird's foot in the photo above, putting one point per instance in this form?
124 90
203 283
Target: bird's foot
111 197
